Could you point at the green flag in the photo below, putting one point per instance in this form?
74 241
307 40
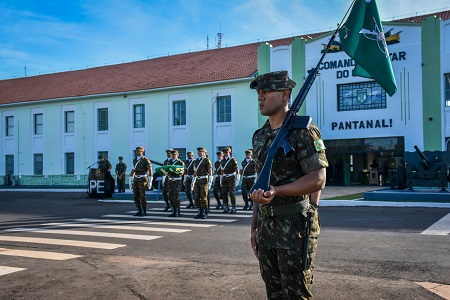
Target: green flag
362 38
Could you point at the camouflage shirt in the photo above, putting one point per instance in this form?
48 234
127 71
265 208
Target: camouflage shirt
229 167
216 167
203 166
104 165
248 167
189 167
121 167
284 232
141 167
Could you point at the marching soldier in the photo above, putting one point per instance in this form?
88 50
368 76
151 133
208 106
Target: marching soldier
174 185
121 169
202 182
248 173
230 175
141 165
188 174
217 188
165 192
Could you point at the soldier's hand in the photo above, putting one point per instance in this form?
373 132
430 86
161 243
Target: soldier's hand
263 197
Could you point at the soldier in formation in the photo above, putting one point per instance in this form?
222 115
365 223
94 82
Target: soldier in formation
248 173
202 182
142 176
217 189
121 169
230 175
174 184
188 175
164 181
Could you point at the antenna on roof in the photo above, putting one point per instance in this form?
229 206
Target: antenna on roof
207 42
25 71
219 37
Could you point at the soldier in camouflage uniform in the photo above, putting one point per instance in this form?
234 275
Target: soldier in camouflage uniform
217 189
248 173
141 165
188 174
278 227
165 192
174 185
105 167
121 169
229 169
203 181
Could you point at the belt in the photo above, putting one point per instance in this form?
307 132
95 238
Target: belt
250 176
229 175
140 176
281 210
174 179
202 177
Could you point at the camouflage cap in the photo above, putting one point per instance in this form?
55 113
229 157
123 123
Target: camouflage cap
169 150
219 153
248 151
140 148
273 81
174 152
120 158
190 153
226 149
201 149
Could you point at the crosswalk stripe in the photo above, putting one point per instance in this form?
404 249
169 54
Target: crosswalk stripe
122 227
145 222
8 270
178 218
37 254
441 227
84 244
88 233
212 210
195 213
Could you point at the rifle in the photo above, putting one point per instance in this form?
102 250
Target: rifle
291 121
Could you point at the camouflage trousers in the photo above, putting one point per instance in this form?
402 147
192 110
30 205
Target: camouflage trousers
187 188
165 190
201 193
228 186
217 189
121 184
247 184
139 193
281 269
173 191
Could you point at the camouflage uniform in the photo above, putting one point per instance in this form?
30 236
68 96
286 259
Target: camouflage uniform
202 167
140 181
217 189
189 173
121 167
104 165
279 238
174 187
228 169
165 191
248 179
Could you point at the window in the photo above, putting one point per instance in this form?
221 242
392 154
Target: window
38 124
38 164
9 164
181 153
139 115
69 121
179 113
360 96
9 126
102 115
70 163
224 109
447 89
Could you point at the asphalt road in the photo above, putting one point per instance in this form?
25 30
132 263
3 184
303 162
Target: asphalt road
363 253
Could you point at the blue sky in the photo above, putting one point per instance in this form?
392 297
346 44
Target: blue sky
53 35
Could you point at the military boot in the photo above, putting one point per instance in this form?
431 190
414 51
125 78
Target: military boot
167 206
199 214
233 209
174 212
246 204
144 208
178 213
139 212
205 213
225 208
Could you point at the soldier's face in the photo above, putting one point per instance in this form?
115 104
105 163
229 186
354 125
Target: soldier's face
139 153
248 155
272 102
219 157
190 156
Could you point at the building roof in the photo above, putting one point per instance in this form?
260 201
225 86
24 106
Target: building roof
169 71
443 15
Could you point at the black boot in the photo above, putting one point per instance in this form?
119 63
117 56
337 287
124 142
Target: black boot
178 213
205 213
233 209
225 208
144 208
199 214
139 212
251 205
174 212
167 206
246 204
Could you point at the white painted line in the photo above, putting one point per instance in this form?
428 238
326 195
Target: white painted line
441 227
8 270
123 227
239 210
145 222
88 233
166 218
74 243
195 213
37 254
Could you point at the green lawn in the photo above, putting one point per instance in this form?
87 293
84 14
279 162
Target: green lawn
348 197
